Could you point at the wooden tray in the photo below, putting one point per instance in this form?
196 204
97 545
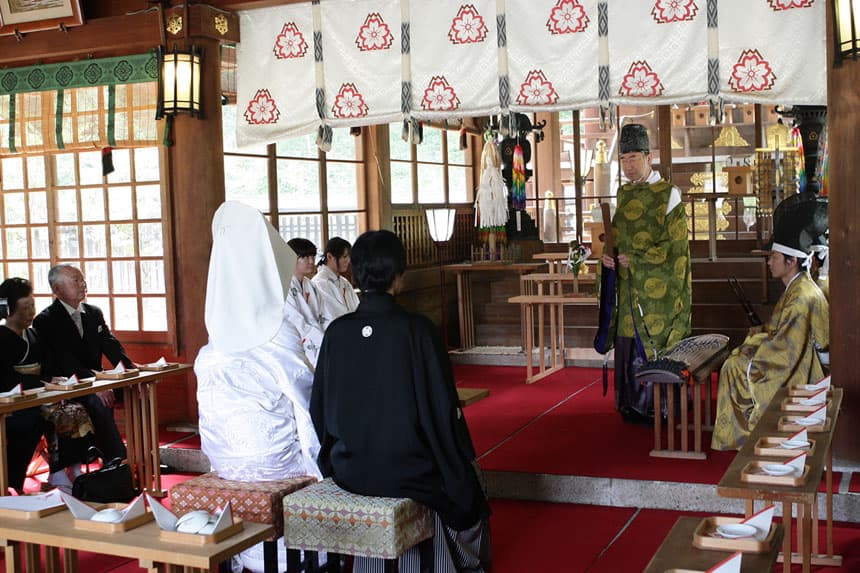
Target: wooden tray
703 539
131 373
24 395
788 424
34 514
792 404
753 473
798 392
101 527
154 368
68 387
769 446
195 539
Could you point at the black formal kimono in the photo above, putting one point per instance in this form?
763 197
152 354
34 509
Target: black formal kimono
24 428
387 415
72 354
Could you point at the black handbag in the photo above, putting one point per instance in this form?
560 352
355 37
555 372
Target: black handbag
111 483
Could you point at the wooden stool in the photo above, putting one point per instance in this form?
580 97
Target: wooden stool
703 354
323 517
260 502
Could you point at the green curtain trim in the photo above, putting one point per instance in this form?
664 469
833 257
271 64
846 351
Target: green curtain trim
111 136
84 73
12 147
58 124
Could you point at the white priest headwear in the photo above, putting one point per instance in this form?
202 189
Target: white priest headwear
249 274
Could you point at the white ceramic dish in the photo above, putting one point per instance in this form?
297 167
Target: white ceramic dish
778 469
736 530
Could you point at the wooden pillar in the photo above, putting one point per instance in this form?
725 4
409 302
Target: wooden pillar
843 141
196 189
664 140
377 176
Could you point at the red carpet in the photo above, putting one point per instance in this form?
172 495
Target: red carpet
854 486
531 536
585 436
512 403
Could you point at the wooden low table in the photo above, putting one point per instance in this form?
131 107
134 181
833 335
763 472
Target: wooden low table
678 553
468 396
141 423
143 543
464 272
805 496
555 304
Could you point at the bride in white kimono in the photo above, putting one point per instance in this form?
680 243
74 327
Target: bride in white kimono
253 379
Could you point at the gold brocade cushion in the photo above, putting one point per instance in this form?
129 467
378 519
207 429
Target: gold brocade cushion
324 517
260 502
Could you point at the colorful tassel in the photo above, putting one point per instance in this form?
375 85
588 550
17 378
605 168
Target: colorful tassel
518 185
801 158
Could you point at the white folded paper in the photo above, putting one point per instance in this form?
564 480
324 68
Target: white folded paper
168 521
160 362
818 416
798 462
82 510
62 381
819 397
16 391
31 502
801 437
730 565
118 369
761 521
824 383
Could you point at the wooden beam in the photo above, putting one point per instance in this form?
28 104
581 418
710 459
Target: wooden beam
111 36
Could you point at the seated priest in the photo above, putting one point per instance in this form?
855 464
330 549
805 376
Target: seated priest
387 415
76 337
785 351
253 381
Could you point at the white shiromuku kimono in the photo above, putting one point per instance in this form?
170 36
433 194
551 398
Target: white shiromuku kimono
253 404
253 379
336 293
304 310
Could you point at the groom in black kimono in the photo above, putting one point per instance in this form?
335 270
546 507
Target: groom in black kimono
387 415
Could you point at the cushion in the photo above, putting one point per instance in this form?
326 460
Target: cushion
260 501
324 517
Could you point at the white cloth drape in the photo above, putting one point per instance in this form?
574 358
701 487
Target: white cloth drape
552 54
658 52
450 59
361 61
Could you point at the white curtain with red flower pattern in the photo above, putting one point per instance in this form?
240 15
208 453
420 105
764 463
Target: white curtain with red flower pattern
773 51
276 86
658 51
455 61
361 61
542 31
454 58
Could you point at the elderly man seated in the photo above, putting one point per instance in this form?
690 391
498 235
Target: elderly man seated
785 351
76 337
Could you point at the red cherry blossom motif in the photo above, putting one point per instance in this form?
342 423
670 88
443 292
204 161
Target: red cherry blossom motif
537 90
262 109
374 34
290 43
468 26
666 11
567 17
641 81
439 96
779 5
751 73
349 102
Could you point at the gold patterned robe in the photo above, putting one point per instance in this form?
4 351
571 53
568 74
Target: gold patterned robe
783 354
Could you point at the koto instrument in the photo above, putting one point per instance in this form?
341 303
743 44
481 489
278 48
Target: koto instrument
685 358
